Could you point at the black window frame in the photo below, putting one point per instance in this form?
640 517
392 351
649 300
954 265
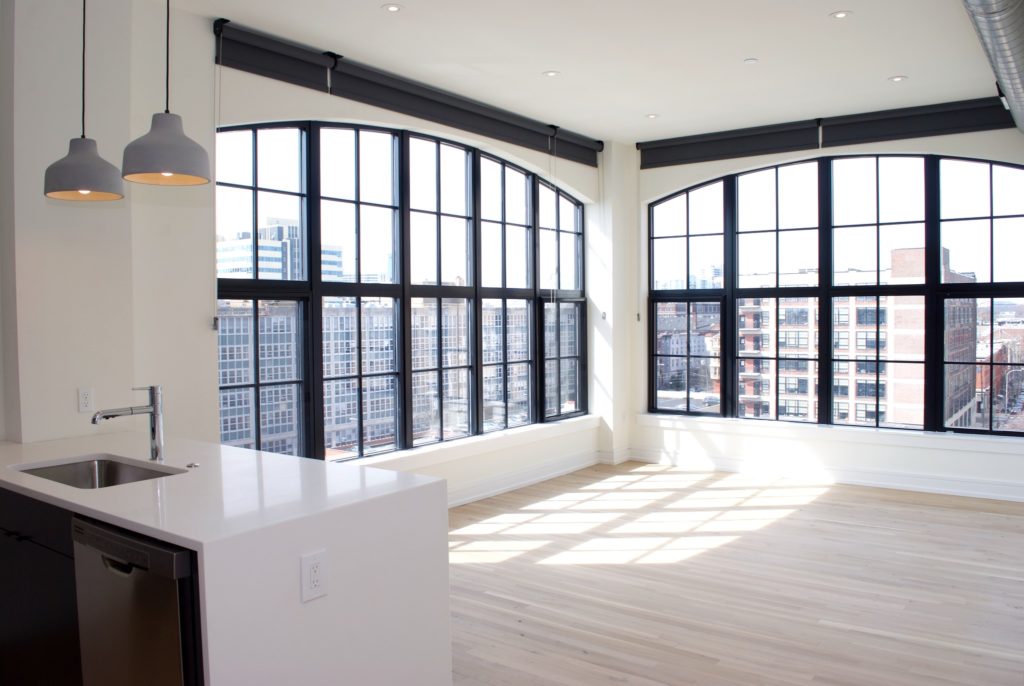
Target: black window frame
932 290
311 291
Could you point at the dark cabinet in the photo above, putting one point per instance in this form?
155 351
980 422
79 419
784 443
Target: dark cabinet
38 613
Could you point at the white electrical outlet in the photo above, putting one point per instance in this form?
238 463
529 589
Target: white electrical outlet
314 575
86 400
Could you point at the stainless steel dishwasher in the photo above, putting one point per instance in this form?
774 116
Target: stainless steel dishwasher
129 607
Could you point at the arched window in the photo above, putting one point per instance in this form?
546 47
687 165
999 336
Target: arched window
383 289
881 291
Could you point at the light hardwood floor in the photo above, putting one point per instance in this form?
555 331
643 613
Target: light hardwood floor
648 574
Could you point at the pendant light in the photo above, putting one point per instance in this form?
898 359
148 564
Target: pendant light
82 174
166 156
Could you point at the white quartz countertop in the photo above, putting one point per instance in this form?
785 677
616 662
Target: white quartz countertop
233 491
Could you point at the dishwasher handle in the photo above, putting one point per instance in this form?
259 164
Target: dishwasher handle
125 551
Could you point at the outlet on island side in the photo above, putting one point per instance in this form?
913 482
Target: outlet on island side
314 575
86 400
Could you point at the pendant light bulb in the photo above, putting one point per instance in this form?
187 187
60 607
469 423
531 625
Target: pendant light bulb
82 175
166 156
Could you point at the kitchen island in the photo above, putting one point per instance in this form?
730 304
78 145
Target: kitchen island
250 516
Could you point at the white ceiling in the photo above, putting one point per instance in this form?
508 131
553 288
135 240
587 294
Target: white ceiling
621 60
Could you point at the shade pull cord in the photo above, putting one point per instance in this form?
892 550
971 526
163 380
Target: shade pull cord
167 60
83 68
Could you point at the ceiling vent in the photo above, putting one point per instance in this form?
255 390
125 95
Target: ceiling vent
1000 26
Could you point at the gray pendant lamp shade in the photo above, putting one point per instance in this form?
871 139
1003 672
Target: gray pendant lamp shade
82 174
166 156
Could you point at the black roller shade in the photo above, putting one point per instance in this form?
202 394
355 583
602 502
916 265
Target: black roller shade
266 56
761 140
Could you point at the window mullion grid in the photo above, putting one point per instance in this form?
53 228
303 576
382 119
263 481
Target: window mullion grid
476 335
257 382
403 355
934 314
825 312
728 312
314 371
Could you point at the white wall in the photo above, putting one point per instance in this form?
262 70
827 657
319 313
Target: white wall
103 295
968 465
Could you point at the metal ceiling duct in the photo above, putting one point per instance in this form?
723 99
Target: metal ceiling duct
1000 26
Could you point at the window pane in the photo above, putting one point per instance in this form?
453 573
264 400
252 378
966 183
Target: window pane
490 189
962 339
902 318
670 383
1008 250
569 386
550 388
798 258
281 419
380 400
426 415
706 209
703 382
964 189
423 247
901 189
706 262
568 330
234 342
966 251
901 392
493 331
424 333
756 202
1007 190
377 241
549 258
238 417
567 273
519 383
756 327
1008 401
669 217
705 328
968 406
279 161
756 397
515 196
491 252
517 256
422 174
376 167
757 260
281 237
455 253
455 331
338 241
854 191
798 196
338 163
494 398
455 192
546 204
339 337
378 335
341 419
901 253
567 215
234 157
671 329
280 341
518 330
854 256
456 403
234 233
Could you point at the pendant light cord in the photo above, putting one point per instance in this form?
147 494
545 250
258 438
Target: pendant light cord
167 61
83 68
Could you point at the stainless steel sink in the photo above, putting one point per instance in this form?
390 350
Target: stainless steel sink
100 471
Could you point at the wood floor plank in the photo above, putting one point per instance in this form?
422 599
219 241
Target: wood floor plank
652 575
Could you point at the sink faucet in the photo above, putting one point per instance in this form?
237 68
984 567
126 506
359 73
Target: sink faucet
155 410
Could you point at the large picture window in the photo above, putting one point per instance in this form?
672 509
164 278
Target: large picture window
382 290
889 283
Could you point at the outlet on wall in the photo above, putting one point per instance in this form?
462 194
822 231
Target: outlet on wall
314 575
86 400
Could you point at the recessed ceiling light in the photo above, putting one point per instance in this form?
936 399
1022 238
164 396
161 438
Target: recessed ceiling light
652 116
551 72
391 8
751 60
898 78
840 14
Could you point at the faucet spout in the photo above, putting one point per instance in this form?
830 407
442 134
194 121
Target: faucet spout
155 410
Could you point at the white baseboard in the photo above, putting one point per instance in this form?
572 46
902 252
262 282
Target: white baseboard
926 483
496 484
